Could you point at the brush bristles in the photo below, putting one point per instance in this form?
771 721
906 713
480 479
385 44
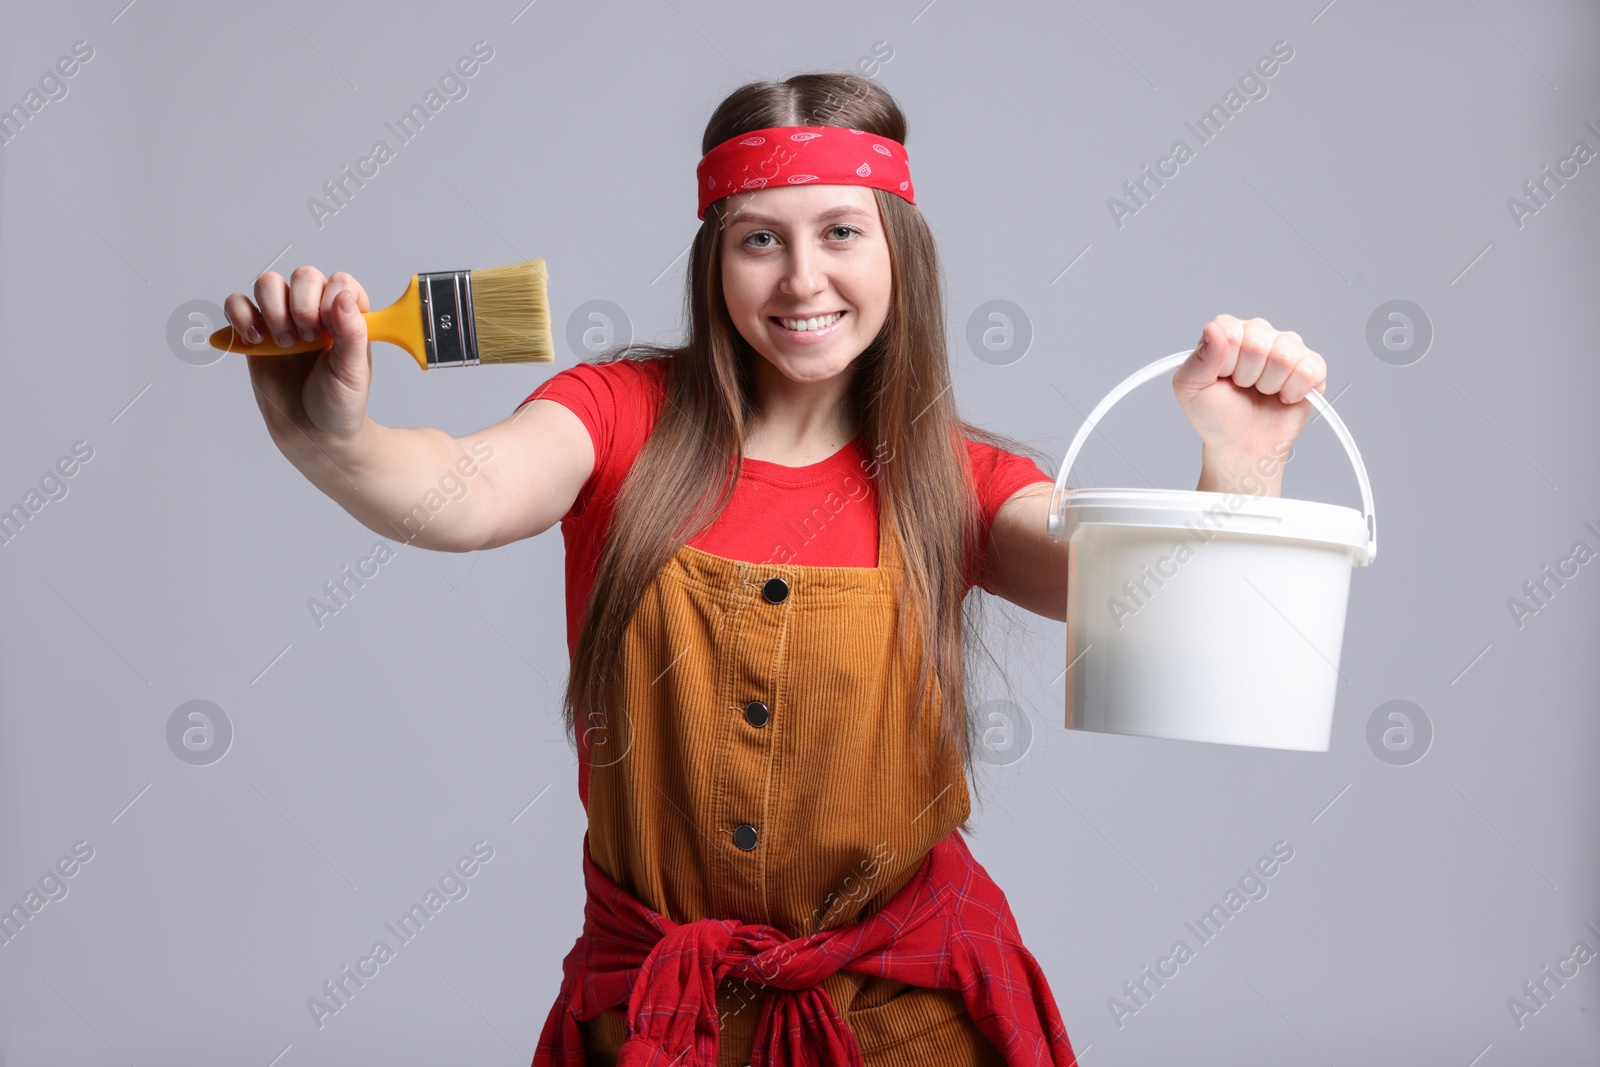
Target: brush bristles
511 314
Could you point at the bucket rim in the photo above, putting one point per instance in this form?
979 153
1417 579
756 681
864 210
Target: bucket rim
1269 517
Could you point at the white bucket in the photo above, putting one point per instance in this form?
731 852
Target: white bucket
1233 638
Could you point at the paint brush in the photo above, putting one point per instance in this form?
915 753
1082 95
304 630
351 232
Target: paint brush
449 318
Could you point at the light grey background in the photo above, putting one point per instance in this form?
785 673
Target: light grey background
371 753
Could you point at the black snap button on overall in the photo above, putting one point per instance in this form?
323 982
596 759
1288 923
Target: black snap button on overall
776 590
744 835
756 713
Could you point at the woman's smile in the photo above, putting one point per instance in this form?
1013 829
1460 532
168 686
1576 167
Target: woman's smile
814 329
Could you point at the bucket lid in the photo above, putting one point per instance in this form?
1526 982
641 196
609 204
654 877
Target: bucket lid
1303 519
1212 513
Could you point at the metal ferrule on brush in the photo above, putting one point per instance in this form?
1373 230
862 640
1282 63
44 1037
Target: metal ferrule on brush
447 317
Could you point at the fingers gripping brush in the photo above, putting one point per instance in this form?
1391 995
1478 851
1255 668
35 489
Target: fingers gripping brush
449 318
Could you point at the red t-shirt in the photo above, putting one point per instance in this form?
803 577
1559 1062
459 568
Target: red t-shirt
824 514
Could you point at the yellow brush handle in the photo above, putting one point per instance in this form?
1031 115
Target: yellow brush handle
400 324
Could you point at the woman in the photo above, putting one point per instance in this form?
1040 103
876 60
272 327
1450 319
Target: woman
771 531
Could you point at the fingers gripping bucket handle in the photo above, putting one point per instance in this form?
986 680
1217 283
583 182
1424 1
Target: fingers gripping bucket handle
1057 521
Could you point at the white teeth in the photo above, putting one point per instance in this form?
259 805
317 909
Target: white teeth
802 325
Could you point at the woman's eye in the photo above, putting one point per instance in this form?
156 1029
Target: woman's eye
835 231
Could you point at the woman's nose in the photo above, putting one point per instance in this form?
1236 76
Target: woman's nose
803 277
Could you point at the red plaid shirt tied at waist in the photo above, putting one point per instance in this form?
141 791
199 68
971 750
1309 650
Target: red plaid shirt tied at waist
949 927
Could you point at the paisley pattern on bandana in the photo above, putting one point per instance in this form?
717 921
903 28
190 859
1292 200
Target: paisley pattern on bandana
802 155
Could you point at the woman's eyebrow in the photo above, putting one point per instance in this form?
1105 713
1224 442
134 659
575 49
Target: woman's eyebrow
831 213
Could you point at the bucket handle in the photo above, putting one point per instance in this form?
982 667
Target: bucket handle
1057 520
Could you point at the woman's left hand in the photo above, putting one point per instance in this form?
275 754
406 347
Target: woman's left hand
1243 389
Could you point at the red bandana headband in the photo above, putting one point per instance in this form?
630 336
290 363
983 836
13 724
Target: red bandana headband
802 155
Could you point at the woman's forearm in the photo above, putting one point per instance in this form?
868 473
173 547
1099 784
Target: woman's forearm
417 485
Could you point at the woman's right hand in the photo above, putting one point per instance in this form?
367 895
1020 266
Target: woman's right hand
310 400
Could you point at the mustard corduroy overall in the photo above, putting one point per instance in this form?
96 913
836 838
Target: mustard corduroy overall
765 763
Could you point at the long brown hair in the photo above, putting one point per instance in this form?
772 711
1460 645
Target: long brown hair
902 403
